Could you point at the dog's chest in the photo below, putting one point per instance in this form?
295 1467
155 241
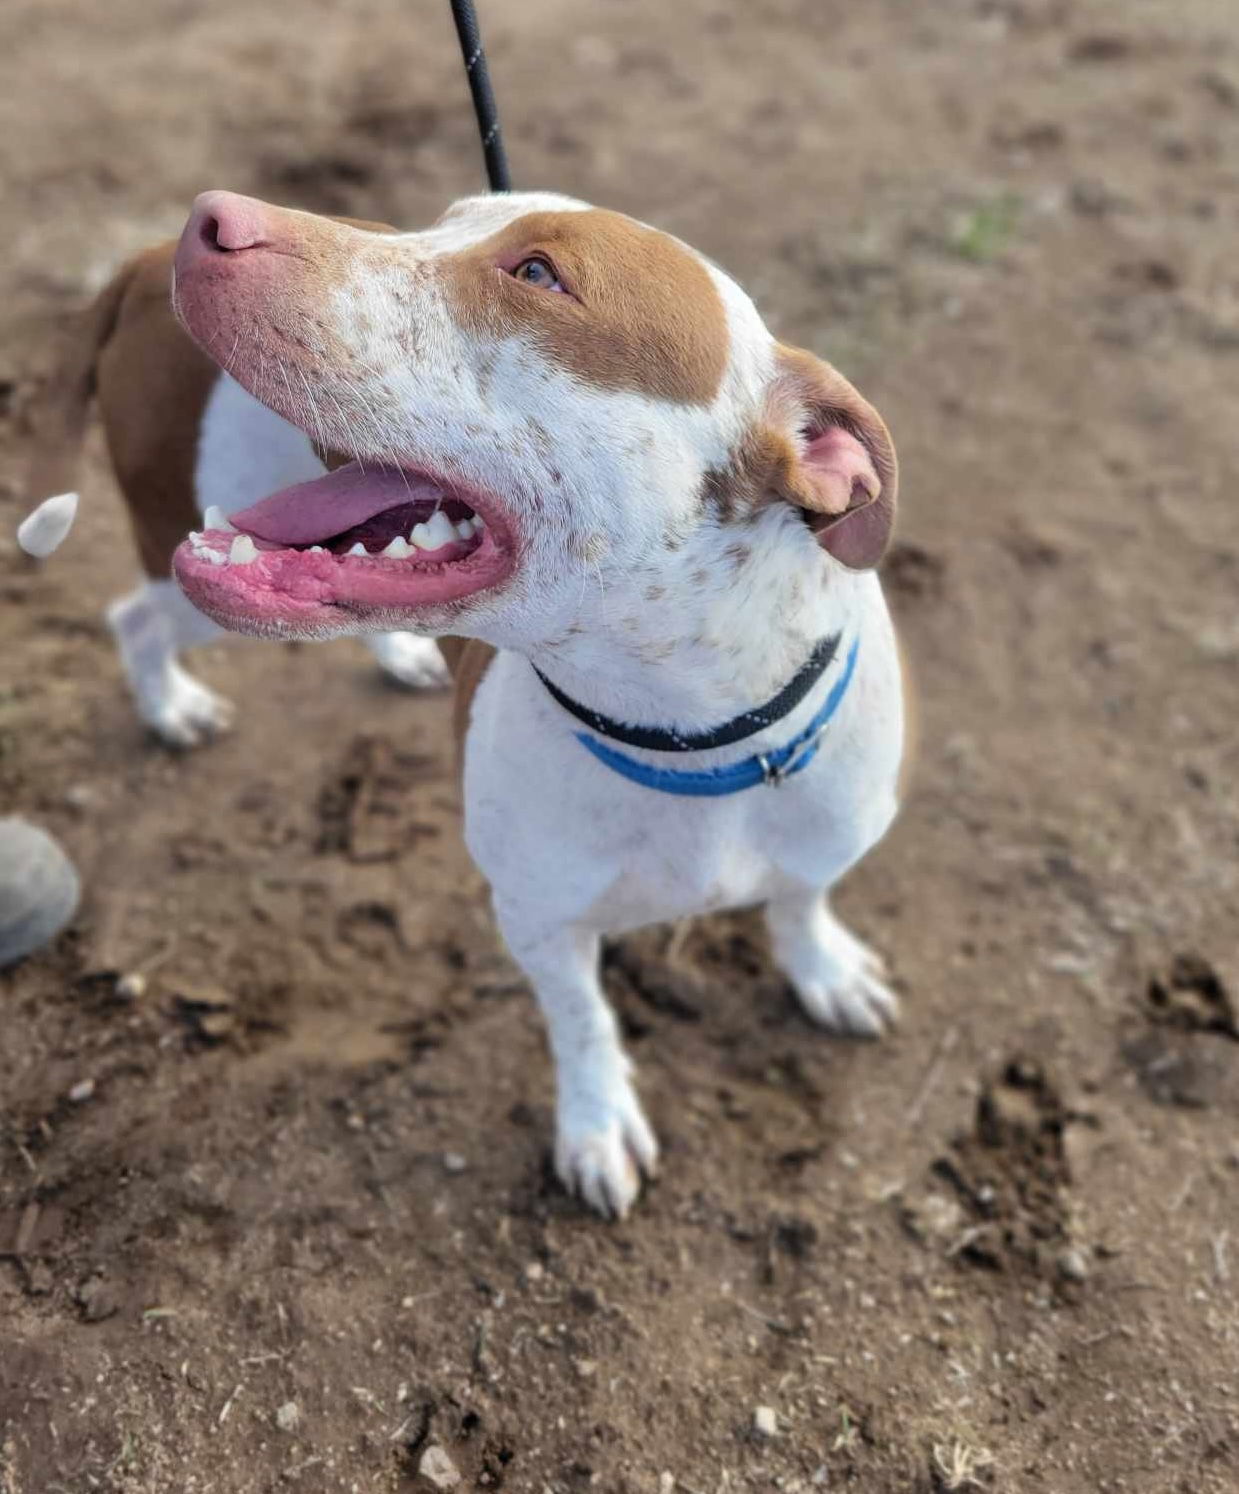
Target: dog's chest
566 838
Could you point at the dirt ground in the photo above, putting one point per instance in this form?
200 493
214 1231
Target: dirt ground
284 1219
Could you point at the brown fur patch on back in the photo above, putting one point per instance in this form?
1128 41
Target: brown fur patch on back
642 313
152 385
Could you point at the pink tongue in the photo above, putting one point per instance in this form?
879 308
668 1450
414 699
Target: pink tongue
327 506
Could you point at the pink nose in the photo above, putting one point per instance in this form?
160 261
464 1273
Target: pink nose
226 223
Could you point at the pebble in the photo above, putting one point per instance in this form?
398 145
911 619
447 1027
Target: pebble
453 1162
131 987
82 1092
765 1422
666 1483
438 1469
288 1417
1073 1265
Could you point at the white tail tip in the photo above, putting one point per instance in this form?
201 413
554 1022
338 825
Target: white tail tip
42 531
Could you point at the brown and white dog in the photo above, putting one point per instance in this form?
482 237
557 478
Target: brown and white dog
644 532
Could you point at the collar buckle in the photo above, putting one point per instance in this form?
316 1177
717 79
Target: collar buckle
772 774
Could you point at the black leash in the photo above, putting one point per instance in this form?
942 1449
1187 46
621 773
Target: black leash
483 98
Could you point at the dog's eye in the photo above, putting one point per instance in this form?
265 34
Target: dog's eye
537 272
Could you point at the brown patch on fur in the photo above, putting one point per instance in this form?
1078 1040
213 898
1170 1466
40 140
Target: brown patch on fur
151 385
655 593
807 393
753 477
468 659
642 313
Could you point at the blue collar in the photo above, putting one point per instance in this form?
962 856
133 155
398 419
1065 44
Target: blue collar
767 767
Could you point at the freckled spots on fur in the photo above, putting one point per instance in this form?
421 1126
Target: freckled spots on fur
540 435
555 475
739 555
657 653
486 375
700 576
655 593
589 548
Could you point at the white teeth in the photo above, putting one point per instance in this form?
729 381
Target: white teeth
439 530
242 551
216 557
216 518
419 537
317 550
359 549
399 548
195 538
465 529
478 523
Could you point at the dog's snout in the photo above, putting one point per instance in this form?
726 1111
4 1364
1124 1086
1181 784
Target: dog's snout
226 223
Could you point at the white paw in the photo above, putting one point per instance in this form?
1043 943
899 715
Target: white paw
854 950
411 661
186 713
839 979
603 1149
858 1004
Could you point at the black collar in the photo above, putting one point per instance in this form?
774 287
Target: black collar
660 739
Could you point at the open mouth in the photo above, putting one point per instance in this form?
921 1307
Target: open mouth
357 541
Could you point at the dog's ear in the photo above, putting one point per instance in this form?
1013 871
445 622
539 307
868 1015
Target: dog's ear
841 470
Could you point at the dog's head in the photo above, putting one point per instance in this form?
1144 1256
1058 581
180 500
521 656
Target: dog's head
527 395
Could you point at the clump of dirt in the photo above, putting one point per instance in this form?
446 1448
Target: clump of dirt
1009 1175
1192 997
368 810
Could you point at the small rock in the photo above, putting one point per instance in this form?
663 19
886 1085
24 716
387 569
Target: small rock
534 1271
765 1422
82 1092
438 1469
666 1483
1073 1265
131 987
586 1368
80 796
39 890
288 1417
453 1162
97 1300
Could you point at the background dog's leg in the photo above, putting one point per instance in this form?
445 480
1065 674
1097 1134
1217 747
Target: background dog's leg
603 1141
409 660
150 625
837 977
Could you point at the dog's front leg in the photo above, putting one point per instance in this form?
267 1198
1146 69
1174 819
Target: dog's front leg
603 1142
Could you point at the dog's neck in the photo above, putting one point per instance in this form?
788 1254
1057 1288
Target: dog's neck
716 628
